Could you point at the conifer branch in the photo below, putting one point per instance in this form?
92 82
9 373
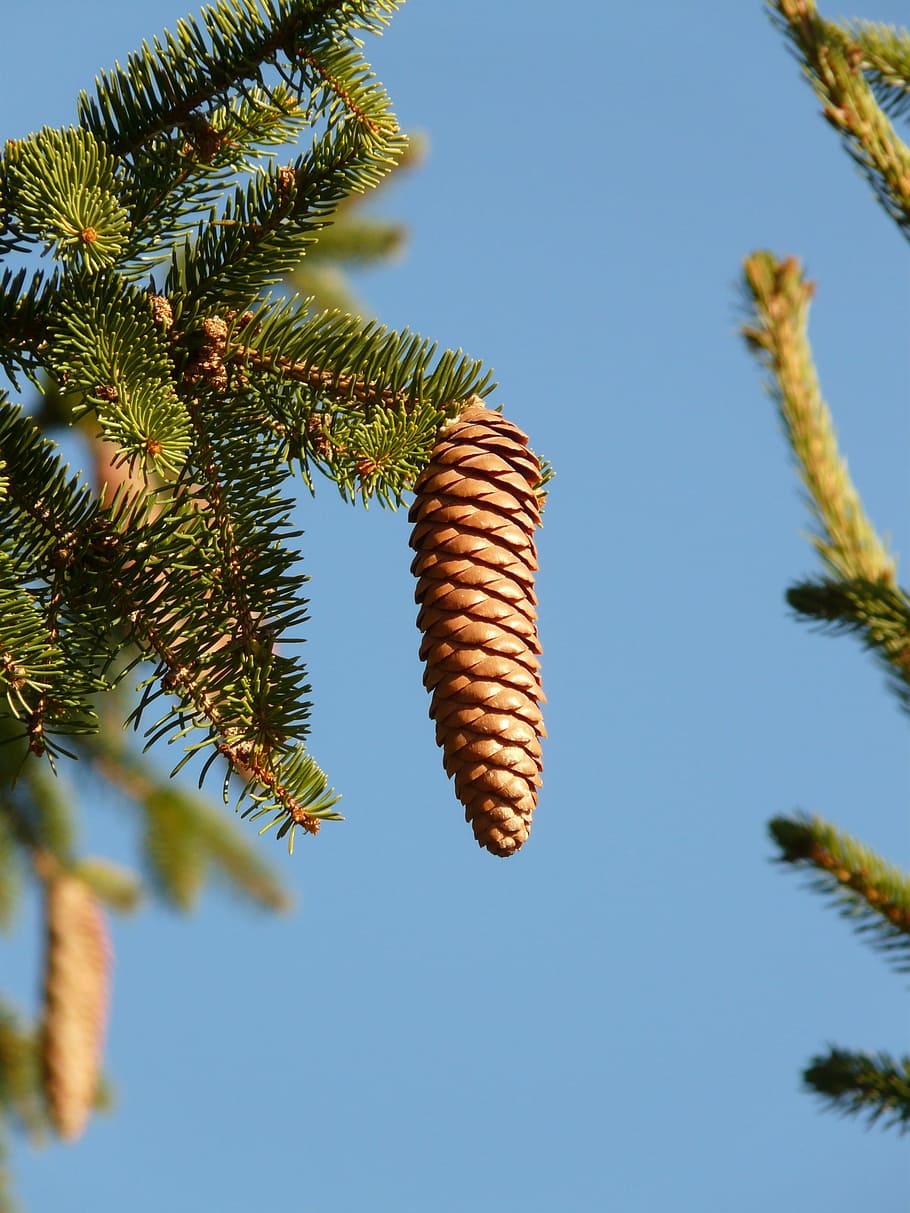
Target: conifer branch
251 741
138 558
877 612
265 229
351 238
166 83
854 1084
873 894
105 344
832 61
24 311
10 882
185 839
40 821
51 540
198 397
20 1075
345 360
859 73
8 1203
112 884
355 241
61 187
886 63
779 296
180 178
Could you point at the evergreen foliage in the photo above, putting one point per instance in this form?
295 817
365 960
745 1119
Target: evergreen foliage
861 74
861 1084
835 58
161 326
878 614
872 894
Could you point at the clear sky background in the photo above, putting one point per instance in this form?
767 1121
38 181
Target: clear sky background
616 1018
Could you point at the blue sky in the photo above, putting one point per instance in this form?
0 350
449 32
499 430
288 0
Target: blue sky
616 1018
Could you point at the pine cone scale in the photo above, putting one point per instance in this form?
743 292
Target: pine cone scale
497 561
438 621
442 596
473 575
504 673
467 747
510 526
497 643
495 484
493 696
486 635
483 517
455 542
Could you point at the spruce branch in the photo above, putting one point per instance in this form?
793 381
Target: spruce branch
347 361
8 1203
380 456
247 700
35 671
352 239
104 344
266 228
198 397
832 62
43 819
246 705
60 630
859 72
39 822
779 295
20 1074
166 83
61 186
877 612
206 394
10 879
24 312
357 401
854 1084
872 894
185 839
176 181
886 63
113 885
355 242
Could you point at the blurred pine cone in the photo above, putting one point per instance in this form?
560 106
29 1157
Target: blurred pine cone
474 518
76 987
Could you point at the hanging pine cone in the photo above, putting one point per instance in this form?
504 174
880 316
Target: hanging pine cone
474 518
76 985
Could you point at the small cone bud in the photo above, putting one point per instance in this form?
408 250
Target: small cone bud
474 516
76 990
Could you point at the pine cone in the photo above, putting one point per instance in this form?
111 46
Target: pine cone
76 986
474 518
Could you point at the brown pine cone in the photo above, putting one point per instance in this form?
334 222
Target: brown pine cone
474 518
76 987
